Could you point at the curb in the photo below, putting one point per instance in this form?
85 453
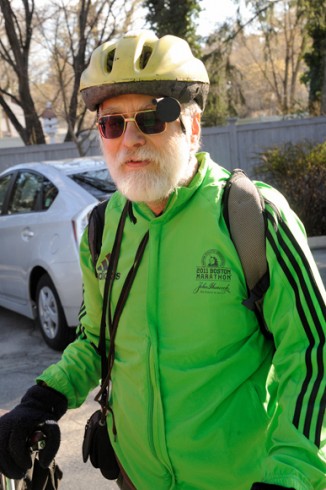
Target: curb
316 242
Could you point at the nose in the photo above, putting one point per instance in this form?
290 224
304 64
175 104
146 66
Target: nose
132 136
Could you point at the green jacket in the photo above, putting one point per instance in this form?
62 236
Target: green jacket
199 398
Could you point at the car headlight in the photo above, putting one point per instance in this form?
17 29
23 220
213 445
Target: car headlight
80 222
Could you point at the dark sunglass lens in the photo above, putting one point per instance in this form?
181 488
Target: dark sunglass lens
111 126
148 122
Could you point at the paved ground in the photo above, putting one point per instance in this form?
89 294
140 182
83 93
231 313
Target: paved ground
320 258
23 355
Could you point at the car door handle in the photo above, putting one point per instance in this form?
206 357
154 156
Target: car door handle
27 233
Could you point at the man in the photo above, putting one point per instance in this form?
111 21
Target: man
200 399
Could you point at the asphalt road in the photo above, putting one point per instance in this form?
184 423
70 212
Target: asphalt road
23 356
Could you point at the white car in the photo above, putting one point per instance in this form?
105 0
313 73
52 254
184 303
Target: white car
44 208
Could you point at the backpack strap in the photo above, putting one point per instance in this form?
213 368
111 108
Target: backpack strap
244 215
95 231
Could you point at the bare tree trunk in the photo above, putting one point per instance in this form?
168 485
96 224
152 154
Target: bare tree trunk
16 55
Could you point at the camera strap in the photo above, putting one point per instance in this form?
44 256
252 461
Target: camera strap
106 319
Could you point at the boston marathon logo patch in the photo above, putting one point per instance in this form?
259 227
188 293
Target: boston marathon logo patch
212 276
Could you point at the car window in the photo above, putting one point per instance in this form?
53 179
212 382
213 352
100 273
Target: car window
4 184
32 192
96 182
49 193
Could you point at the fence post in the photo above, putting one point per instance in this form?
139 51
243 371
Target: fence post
233 139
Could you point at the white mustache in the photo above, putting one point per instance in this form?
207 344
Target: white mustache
137 155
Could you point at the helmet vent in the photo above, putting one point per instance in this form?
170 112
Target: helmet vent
144 57
109 61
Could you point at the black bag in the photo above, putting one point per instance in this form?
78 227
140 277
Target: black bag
97 446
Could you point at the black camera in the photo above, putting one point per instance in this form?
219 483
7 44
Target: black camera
97 446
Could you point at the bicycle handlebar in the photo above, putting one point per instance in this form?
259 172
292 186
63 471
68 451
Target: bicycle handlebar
36 441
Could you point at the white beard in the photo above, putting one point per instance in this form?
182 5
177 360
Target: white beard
169 168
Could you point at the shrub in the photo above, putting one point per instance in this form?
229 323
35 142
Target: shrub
298 171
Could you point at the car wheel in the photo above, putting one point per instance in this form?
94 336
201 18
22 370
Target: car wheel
50 316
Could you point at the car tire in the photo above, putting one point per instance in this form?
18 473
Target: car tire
50 315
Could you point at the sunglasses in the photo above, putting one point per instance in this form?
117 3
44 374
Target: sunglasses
114 125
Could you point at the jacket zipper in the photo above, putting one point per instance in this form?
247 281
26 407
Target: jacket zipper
151 423
150 401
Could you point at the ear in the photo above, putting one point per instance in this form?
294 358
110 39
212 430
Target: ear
196 124
195 130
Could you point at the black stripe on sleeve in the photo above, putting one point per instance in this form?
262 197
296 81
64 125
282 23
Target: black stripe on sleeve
320 419
305 322
82 311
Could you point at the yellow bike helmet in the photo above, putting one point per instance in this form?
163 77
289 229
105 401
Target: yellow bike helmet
141 63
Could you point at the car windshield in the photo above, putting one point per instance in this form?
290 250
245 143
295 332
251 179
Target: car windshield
96 182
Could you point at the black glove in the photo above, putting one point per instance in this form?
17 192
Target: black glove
40 409
269 486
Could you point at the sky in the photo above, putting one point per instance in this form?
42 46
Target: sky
213 12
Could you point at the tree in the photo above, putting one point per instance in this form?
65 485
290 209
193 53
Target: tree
281 31
78 28
315 57
225 98
15 47
312 16
177 18
65 33
75 32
